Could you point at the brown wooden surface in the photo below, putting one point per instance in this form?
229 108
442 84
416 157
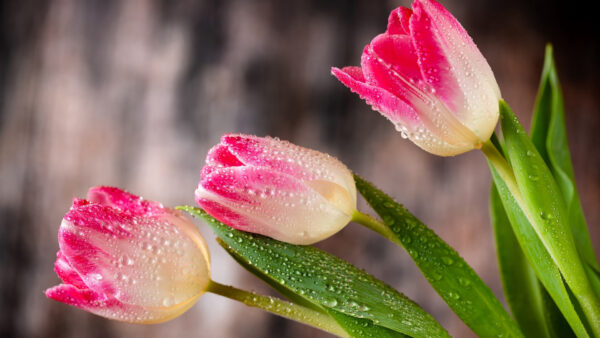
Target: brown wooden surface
134 93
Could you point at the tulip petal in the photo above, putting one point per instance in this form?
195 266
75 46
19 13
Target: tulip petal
220 156
271 203
389 105
398 21
436 65
431 129
144 260
221 212
112 308
124 201
66 273
397 52
453 65
403 115
94 302
389 63
285 157
355 73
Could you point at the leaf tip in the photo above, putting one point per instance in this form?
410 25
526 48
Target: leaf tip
549 57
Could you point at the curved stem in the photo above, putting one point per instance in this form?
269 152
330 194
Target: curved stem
375 225
279 307
503 169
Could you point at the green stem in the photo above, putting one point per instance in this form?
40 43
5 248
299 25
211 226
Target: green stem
375 225
279 307
504 170
581 287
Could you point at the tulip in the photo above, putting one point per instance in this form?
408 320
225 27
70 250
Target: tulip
128 259
277 189
427 77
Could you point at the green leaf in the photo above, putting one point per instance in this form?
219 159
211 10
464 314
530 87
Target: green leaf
540 199
594 277
281 288
557 324
354 326
537 255
446 271
529 302
359 327
549 135
326 281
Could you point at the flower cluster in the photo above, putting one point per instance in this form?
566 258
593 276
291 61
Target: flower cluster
129 259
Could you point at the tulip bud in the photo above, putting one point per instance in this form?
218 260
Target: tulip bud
277 189
128 259
427 77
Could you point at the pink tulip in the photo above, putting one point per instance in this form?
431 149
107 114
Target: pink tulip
128 259
277 189
427 77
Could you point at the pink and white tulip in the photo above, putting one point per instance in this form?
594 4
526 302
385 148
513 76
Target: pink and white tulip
277 189
427 77
128 259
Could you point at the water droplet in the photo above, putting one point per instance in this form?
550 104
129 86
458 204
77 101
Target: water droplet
331 302
168 301
464 281
447 260
436 276
388 220
454 295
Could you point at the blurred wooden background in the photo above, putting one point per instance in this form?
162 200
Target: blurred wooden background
134 93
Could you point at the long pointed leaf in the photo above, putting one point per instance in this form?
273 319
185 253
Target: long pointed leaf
513 264
447 272
540 199
527 298
281 288
354 326
326 280
359 327
557 324
538 256
549 135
